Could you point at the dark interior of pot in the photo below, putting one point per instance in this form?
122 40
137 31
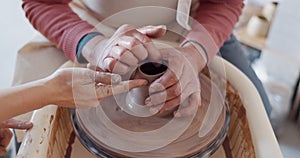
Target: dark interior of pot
151 68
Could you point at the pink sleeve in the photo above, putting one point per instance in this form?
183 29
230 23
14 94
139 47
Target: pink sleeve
55 20
218 17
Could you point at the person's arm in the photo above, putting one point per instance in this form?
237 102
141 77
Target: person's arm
21 99
218 17
74 88
213 24
56 21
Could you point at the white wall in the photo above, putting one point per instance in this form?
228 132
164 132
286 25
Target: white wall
283 62
15 31
285 30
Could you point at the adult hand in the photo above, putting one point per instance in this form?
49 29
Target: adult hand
81 87
125 48
179 82
6 134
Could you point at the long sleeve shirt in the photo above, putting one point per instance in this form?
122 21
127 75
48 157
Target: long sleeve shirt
56 21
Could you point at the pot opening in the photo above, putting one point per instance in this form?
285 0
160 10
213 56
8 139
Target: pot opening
153 68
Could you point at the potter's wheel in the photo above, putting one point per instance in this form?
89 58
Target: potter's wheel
108 131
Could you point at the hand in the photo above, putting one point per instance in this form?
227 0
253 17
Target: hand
178 83
125 48
6 134
81 87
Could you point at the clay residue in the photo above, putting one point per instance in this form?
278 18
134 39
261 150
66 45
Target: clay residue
70 143
51 118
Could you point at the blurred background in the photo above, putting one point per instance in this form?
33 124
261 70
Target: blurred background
268 31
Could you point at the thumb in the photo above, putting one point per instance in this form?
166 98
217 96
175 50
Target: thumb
153 31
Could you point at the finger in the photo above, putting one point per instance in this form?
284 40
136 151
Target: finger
94 67
155 109
163 96
156 98
2 151
16 124
5 137
129 58
134 45
101 77
107 78
122 54
172 103
153 53
115 66
165 81
140 52
109 90
194 103
123 29
178 100
153 31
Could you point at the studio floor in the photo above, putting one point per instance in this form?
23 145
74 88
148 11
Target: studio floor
16 31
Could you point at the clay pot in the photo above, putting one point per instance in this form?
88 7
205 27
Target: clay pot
149 71
136 97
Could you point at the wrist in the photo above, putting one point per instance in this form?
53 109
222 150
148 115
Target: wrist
51 88
83 41
41 93
90 49
197 55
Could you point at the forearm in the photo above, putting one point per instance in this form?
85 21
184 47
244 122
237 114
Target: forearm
24 98
56 21
218 19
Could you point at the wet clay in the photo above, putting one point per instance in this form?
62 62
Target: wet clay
118 133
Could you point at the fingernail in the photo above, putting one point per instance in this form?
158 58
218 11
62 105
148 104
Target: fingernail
148 101
152 88
155 87
161 26
27 123
153 110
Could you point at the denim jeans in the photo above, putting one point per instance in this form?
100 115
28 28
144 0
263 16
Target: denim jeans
232 52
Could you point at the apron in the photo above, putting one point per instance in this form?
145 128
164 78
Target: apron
39 58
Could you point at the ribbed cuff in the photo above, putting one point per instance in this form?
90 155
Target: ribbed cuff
82 42
205 41
72 38
203 53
